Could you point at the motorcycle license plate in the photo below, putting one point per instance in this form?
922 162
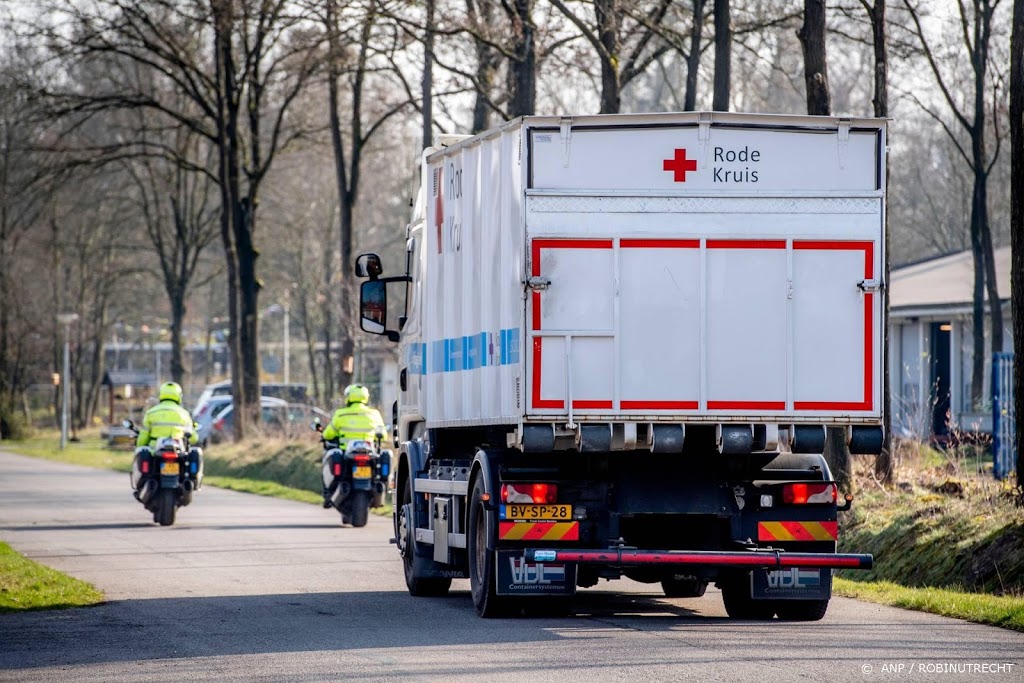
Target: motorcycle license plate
537 511
169 468
362 472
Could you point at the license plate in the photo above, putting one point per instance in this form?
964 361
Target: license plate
362 472
538 512
169 468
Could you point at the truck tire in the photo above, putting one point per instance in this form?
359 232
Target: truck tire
801 610
683 588
419 587
739 604
481 561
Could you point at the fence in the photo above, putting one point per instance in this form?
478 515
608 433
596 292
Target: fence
1003 416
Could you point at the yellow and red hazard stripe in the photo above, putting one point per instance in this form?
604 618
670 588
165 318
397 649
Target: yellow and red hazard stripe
797 531
539 531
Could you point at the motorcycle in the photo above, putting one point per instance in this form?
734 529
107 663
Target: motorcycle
354 478
165 476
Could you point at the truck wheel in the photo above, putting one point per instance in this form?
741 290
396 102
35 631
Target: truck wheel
801 610
481 561
739 604
683 588
418 586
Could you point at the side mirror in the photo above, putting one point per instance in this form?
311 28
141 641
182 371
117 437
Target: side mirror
369 265
128 424
315 425
373 306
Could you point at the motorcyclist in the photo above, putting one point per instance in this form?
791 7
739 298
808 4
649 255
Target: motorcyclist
356 421
166 419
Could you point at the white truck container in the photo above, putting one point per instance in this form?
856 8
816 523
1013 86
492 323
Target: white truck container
691 296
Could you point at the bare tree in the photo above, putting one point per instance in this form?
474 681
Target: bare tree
239 65
480 14
25 187
976 34
176 205
618 28
880 101
371 61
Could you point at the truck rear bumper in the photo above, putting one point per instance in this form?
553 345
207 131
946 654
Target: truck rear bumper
619 557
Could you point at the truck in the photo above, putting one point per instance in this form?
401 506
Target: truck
622 339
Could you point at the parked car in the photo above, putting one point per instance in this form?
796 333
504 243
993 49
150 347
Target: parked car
271 410
208 411
296 393
277 418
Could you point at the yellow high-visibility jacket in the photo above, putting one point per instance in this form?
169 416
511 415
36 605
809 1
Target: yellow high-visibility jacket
353 422
166 418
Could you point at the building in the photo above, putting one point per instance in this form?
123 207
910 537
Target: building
931 345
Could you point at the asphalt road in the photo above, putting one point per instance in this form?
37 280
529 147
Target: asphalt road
246 588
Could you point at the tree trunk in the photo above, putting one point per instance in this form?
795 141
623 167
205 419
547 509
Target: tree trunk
693 59
524 67
608 35
1017 226
177 300
880 100
812 39
249 311
978 300
428 81
226 126
486 66
723 56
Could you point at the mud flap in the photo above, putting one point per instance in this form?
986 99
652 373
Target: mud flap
516 576
791 583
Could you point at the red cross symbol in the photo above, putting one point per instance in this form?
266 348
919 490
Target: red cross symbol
680 165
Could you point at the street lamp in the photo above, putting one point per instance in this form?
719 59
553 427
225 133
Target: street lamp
66 319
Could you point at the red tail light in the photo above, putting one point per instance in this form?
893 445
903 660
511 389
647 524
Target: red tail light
219 424
529 493
169 455
337 469
362 459
145 467
802 493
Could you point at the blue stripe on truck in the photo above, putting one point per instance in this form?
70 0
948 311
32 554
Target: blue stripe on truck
464 353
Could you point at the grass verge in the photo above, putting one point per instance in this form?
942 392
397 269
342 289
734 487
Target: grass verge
995 610
28 585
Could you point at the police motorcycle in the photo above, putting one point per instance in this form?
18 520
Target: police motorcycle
354 478
165 476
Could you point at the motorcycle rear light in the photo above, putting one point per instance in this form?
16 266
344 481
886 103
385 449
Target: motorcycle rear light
802 493
145 467
362 459
337 469
384 470
169 455
529 493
